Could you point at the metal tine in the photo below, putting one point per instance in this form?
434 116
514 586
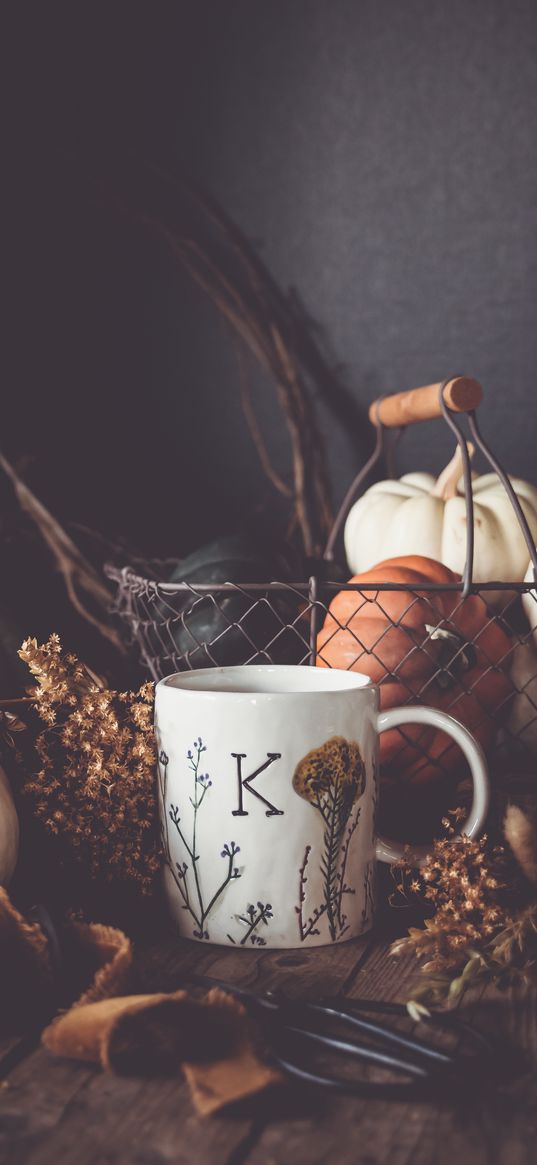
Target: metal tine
359 1052
268 1001
421 1050
407 1090
446 1020
384 1034
278 1005
281 1007
379 1005
423 1082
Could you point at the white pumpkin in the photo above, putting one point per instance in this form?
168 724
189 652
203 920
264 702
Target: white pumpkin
9 831
418 515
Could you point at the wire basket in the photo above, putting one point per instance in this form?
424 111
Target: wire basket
493 691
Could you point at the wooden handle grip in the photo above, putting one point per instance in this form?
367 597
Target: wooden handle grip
423 404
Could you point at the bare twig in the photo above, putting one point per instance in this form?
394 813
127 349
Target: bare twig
256 434
82 581
263 336
268 323
287 306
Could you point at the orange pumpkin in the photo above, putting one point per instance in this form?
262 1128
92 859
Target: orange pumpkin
424 647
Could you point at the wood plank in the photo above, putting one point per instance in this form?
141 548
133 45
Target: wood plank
33 1099
14 1049
98 1117
53 1110
500 1130
318 969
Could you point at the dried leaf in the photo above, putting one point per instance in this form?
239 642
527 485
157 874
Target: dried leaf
521 835
9 723
417 1011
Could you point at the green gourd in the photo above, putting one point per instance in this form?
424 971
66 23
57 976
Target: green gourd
234 628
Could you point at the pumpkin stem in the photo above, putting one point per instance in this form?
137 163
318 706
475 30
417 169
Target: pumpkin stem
445 486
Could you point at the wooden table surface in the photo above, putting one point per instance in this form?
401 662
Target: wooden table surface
54 1111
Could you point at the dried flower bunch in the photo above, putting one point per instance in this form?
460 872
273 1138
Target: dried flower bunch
95 790
483 895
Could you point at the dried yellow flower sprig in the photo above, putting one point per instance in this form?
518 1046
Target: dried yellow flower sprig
61 679
95 790
484 925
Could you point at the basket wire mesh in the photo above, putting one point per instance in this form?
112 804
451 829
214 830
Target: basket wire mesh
279 622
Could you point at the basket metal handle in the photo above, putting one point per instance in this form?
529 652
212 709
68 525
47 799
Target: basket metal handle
459 394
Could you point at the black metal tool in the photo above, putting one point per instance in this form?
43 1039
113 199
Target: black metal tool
314 1042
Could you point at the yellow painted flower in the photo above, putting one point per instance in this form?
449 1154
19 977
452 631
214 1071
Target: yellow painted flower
335 765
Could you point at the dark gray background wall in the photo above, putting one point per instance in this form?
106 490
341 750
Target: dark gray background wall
380 153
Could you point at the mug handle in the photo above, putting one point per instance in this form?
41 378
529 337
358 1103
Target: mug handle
392 851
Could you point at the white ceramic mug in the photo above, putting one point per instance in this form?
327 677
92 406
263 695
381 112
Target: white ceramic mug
268 794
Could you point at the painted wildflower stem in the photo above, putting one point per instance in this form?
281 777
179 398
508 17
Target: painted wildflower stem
186 875
252 919
309 926
335 816
343 888
370 870
331 778
369 892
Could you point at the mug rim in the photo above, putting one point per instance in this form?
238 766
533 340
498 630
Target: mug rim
328 681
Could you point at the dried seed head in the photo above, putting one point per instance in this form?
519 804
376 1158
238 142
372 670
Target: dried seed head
337 764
